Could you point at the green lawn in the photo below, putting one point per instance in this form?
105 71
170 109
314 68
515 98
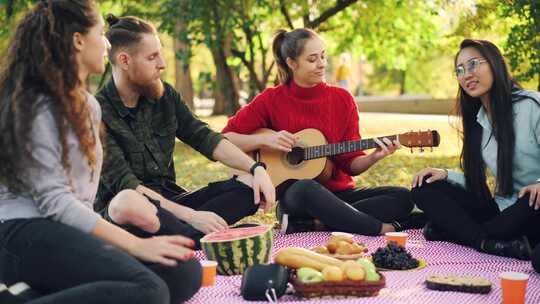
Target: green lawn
194 171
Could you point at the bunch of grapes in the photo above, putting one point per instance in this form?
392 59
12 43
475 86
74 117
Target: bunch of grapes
395 257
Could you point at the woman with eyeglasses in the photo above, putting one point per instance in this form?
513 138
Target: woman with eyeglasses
501 135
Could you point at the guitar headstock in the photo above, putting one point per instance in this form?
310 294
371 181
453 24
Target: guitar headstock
420 139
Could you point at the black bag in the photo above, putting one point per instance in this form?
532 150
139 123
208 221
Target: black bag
264 282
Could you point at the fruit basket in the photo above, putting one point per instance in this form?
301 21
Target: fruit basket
342 288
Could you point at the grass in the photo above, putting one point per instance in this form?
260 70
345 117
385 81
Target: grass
194 171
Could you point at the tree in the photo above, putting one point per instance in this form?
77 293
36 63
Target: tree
234 29
9 11
210 23
393 35
523 41
252 46
184 82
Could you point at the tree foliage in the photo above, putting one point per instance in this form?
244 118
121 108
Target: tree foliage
409 44
523 42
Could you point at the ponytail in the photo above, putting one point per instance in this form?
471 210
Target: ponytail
284 72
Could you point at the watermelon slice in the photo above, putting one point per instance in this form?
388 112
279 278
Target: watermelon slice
238 248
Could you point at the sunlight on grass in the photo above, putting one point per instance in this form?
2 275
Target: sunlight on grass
194 171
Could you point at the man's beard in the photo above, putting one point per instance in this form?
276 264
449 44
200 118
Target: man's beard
152 90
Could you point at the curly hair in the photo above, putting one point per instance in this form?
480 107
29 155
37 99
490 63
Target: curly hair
41 62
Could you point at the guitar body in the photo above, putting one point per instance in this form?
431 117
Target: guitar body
282 167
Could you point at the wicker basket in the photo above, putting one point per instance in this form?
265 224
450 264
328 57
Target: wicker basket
343 288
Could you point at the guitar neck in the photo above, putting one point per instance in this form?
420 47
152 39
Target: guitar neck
327 150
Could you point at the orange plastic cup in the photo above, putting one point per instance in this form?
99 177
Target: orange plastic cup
399 237
209 273
514 287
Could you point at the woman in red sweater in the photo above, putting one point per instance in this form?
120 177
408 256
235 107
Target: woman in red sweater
303 100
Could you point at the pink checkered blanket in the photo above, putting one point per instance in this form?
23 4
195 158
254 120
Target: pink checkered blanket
404 287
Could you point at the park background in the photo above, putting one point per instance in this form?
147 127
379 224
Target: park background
400 53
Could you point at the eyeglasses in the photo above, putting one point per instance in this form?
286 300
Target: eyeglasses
470 66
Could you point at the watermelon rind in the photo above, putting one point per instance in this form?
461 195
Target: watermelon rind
235 254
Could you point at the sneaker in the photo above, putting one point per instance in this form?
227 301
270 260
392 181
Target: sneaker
10 295
291 225
415 220
24 292
519 248
432 233
535 258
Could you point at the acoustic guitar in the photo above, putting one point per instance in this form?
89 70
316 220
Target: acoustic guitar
309 157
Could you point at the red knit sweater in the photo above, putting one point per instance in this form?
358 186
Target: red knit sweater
329 109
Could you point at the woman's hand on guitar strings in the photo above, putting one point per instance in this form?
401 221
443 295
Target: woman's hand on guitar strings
386 147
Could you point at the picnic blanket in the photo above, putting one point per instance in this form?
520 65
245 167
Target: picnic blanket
404 287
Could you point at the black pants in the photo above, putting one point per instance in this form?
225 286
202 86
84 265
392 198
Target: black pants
69 266
230 199
359 211
536 258
467 220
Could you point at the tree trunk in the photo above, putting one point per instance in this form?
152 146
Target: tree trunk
226 94
183 83
402 83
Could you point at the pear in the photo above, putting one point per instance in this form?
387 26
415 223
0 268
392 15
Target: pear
372 275
309 275
367 264
355 273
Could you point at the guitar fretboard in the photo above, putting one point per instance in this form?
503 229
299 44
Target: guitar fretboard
314 152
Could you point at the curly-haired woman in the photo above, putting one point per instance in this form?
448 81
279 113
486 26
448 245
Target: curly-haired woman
51 158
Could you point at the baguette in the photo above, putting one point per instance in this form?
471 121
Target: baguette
296 257
297 261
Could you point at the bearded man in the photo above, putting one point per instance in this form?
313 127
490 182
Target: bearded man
143 117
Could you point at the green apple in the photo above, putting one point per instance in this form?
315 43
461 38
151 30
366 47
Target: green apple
309 275
372 275
367 264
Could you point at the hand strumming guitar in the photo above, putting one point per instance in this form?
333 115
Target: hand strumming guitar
278 140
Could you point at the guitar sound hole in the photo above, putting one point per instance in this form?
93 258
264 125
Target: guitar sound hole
296 156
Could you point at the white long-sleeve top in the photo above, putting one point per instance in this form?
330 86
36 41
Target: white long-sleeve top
66 197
